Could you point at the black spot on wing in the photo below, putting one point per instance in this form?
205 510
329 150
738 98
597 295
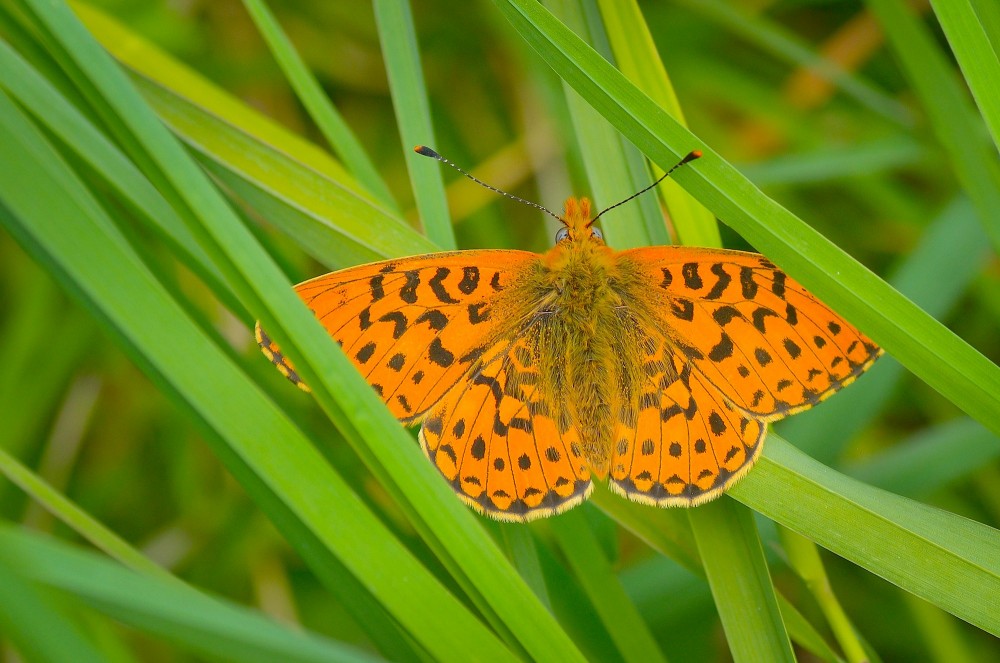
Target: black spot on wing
397 362
792 348
408 293
778 287
682 309
375 287
435 319
758 317
478 448
723 349
691 277
725 314
478 312
470 280
399 322
440 355
365 353
437 286
668 278
721 284
493 384
747 284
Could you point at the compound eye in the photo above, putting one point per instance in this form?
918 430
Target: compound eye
597 233
562 234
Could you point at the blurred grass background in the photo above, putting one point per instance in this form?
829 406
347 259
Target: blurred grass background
856 148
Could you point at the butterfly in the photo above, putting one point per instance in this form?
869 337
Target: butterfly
656 368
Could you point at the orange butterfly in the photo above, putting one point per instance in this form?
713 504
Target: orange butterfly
657 367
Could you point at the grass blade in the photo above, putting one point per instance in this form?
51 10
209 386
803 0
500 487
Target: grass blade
907 543
737 573
963 24
323 113
958 129
38 631
406 81
636 56
594 573
164 607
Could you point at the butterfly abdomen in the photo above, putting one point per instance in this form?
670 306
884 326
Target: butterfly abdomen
591 362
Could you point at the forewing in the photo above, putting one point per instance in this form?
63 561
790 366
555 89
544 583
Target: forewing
412 326
769 346
688 443
495 440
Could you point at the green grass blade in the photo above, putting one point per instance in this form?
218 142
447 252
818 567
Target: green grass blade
324 114
669 532
43 346
150 62
615 168
637 58
398 37
821 166
770 640
165 607
948 560
958 129
766 638
923 345
595 575
289 182
327 219
988 14
39 631
967 33
804 558
737 573
930 459
36 94
72 515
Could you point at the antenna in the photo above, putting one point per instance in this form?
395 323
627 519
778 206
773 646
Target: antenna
423 150
691 156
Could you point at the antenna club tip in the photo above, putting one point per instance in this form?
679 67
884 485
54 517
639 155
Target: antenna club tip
692 155
426 151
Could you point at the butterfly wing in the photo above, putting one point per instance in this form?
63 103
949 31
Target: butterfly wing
733 344
413 327
496 442
688 442
763 341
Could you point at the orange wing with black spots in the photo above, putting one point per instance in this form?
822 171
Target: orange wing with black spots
412 327
736 344
689 443
763 341
496 442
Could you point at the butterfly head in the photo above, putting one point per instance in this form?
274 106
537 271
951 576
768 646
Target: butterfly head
577 224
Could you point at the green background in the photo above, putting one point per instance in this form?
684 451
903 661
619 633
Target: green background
166 495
